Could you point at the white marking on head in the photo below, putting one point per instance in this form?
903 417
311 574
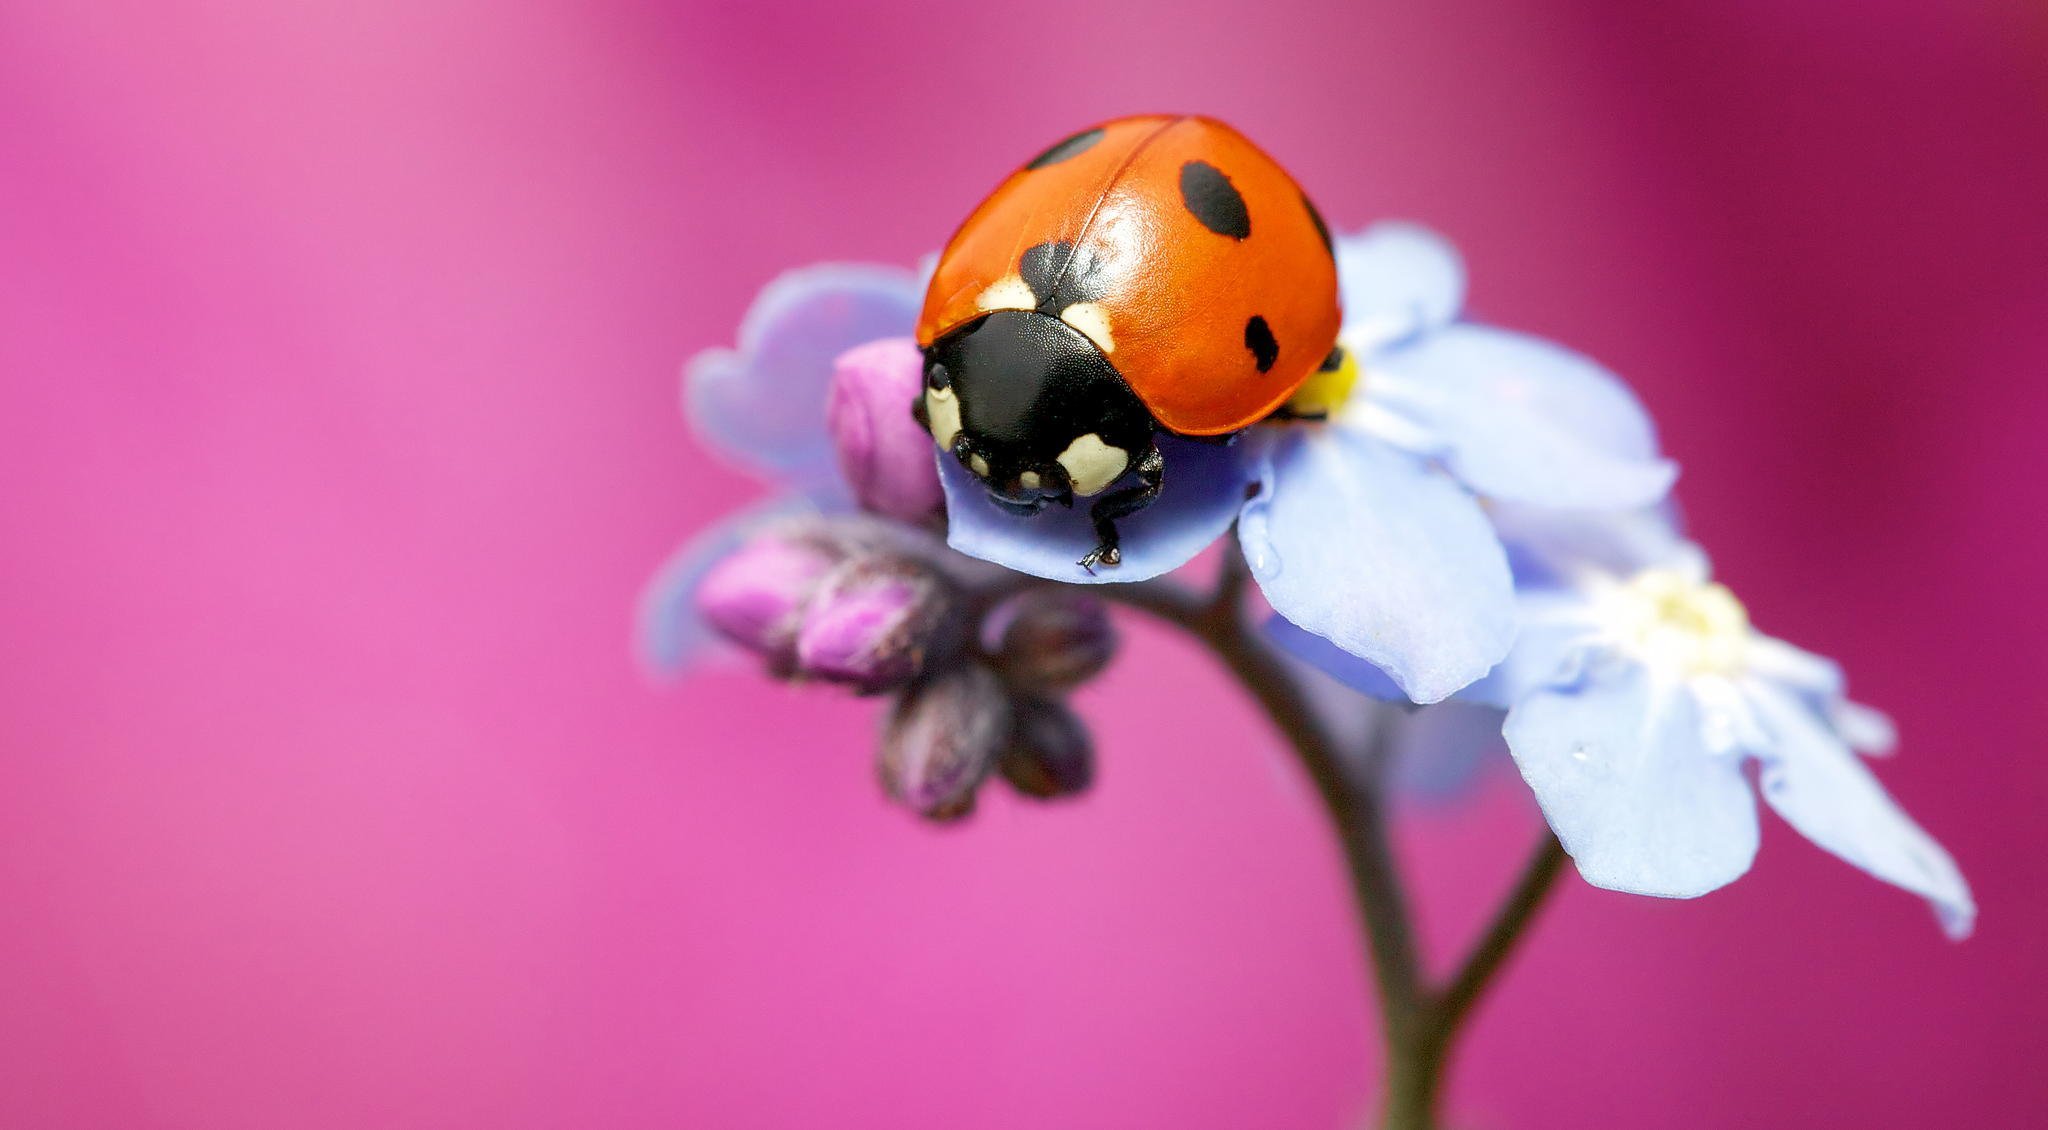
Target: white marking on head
942 408
1029 480
1092 464
1008 293
1092 319
978 465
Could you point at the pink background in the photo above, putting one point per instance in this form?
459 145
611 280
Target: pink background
339 356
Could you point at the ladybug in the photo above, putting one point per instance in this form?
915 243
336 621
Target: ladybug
1151 274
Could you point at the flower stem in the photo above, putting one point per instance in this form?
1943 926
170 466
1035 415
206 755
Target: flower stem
1353 806
1538 876
1415 1068
1418 1021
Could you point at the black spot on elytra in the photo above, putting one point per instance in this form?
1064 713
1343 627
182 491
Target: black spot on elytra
1258 337
1072 147
1214 200
1059 276
1322 229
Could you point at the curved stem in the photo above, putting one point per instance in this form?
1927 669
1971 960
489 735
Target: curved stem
1419 1021
1354 805
1415 1071
1538 876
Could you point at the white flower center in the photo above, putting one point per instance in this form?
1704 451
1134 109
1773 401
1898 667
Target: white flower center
1677 623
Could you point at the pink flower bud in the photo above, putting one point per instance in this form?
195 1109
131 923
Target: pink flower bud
755 597
886 457
1049 754
873 621
942 739
1053 639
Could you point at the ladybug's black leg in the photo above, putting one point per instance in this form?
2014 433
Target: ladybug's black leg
1120 503
1288 412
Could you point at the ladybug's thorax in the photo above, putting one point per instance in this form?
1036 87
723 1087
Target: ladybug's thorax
1031 407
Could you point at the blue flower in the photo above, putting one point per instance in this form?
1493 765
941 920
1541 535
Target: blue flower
1367 531
761 407
1638 691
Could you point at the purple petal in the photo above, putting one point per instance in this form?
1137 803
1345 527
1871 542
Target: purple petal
874 621
762 405
671 634
885 457
1205 486
755 595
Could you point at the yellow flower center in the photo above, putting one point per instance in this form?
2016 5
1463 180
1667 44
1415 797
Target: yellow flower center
1326 390
1676 622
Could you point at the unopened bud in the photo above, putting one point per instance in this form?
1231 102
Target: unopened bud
887 458
1050 754
873 621
942 739
755 597
1053 639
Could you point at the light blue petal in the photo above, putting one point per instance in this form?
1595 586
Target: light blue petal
1331 660
1818 682
1438 753
1548 547
1348 717
1821 788
1817 678
1204 487
762 405
1520 419
1397 279
669 634
1543 654
1444 751
1865 729
1557 631
1622 775
1377 553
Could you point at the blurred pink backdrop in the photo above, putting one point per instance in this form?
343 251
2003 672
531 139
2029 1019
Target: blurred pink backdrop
338 353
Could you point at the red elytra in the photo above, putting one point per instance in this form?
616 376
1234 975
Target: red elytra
1210 276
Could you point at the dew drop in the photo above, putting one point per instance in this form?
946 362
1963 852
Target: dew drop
1593 762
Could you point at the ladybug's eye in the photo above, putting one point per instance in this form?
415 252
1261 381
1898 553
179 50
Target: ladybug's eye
936 376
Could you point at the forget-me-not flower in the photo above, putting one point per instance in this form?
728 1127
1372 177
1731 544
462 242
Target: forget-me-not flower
1638 693
1367 530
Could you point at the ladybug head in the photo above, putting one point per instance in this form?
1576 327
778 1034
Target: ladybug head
1031 407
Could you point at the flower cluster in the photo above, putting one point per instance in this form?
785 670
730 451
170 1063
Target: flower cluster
1483 517
842 579
1003 711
